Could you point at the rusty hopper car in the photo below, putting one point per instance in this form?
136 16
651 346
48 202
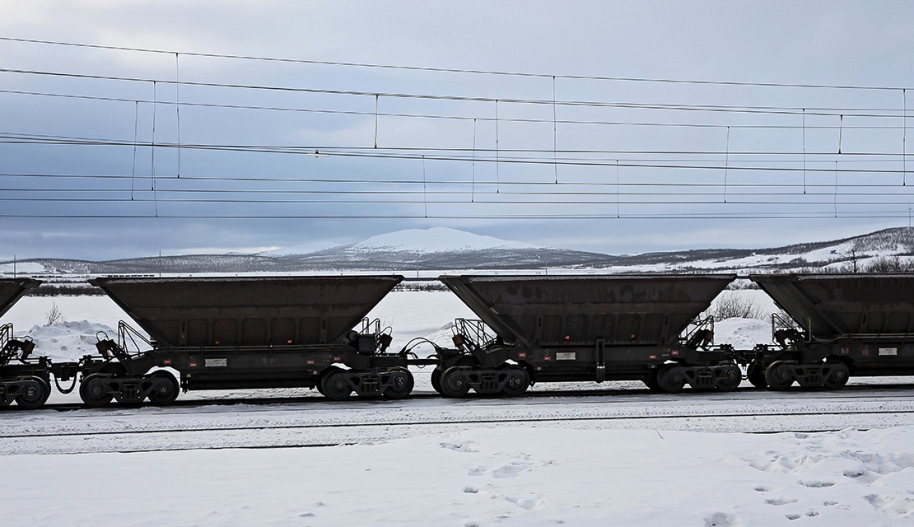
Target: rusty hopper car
230 333
838 326
584 328
22 378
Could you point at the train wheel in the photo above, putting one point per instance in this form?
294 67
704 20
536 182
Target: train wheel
516 382
320 381
670 379
93 390
756 375
436 380
336 385
651 381
401 384
837 375
730 378
33 394
455 382
779 376
164 388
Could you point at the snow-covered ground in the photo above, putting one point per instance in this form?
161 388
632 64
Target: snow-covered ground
625 458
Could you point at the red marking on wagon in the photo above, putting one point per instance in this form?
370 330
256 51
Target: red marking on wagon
192 365
166 362
522 355
652 357
309 362
337 358
547 357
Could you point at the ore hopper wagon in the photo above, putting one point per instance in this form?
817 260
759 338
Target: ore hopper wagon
22 378
838 326
584 328
237 333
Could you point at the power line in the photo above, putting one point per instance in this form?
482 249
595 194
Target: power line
341 150
464 117
772 110
458 70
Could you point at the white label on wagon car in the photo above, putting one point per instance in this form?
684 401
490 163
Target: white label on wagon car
565 355
215 363
888 351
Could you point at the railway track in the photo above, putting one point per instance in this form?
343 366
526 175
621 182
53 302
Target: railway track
298 423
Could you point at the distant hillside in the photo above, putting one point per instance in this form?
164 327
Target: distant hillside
442 249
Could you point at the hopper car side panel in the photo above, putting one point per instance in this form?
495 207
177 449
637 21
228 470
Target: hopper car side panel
247 311
236 333
858 324
585 328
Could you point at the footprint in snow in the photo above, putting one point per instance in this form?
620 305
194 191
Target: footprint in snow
477 471
527 503
510 470
780 501
892 505
720 519
816 484
462 446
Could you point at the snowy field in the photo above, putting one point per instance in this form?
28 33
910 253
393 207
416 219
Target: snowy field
623 457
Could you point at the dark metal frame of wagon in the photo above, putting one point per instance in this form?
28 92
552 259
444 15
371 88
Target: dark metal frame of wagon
842 326
665 358
129 370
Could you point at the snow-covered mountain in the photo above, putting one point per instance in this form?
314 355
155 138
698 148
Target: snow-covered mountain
442 248
437 240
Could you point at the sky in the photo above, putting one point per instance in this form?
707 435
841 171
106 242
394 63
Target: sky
135 128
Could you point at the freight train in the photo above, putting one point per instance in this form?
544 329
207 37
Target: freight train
274 332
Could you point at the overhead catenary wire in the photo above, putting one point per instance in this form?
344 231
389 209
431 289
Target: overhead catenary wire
136 128
748 109
496 148
473 188
554 131
327 149
152 167
178 110
655 169
727 164
459 70
470 117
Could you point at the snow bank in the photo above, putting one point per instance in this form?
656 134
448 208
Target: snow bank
742 333
504 476
68 341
